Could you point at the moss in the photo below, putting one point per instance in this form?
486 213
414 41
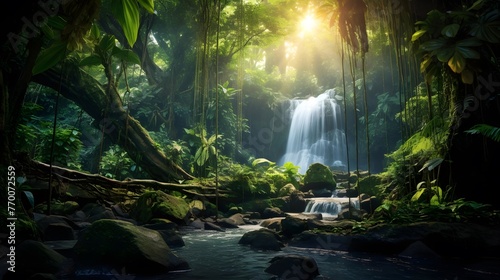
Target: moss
368 185
319 176
287 189
157 204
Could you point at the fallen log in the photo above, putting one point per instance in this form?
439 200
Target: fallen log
106 188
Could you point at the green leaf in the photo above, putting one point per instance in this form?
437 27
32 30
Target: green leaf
418 34
477 5
107 42
126 55
434 44
468 52
457 62
467 76
450 30
49 57
127 14
431 164
418 194
260 161
149 5
486 130
444 54
92 60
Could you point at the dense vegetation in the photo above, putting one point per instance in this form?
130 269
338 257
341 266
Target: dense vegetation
188 92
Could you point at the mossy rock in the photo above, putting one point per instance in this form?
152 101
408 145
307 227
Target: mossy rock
319 176
157 204
122 244
259 205
59 208
287 189
369 185
35 257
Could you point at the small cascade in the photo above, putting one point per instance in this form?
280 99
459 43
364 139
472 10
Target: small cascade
316 132
330 206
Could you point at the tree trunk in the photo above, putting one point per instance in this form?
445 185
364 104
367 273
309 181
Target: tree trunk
108 112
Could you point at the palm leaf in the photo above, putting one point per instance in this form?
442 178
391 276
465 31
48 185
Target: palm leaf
486 130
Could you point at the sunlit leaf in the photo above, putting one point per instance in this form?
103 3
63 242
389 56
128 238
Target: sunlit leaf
49 57
127 14
457 62
467 76
418 194
431 164
418 34
149 5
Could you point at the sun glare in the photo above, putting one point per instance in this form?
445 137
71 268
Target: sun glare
308 24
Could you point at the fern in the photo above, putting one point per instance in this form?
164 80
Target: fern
486 130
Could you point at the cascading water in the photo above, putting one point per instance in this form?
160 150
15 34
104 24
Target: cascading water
330 206
316 133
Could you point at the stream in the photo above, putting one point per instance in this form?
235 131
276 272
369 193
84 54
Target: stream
217 255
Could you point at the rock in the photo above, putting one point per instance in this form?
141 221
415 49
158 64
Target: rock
172 238
157 204
370 204
287 190
238 219
292 225
212 226
262 239
122 244
273 223
297 202
161 224
199 224
196 207
293 266
106 214
272 212
318 176
59 208
368 184
226 223
420 250
34 257
56 227
233 210
446 239
43 276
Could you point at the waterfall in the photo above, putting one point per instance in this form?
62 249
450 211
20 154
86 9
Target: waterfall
316 133
330 206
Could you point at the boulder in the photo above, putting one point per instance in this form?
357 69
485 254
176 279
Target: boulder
287 190
293 266
297 202
318 176
124 245
212 226
292 225
262 239
238 219
273 223
56 227
226 223
33 257
272 212
157 204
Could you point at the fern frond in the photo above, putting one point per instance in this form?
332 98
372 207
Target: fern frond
486 130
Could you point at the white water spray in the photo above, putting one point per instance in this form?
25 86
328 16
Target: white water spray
316 133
